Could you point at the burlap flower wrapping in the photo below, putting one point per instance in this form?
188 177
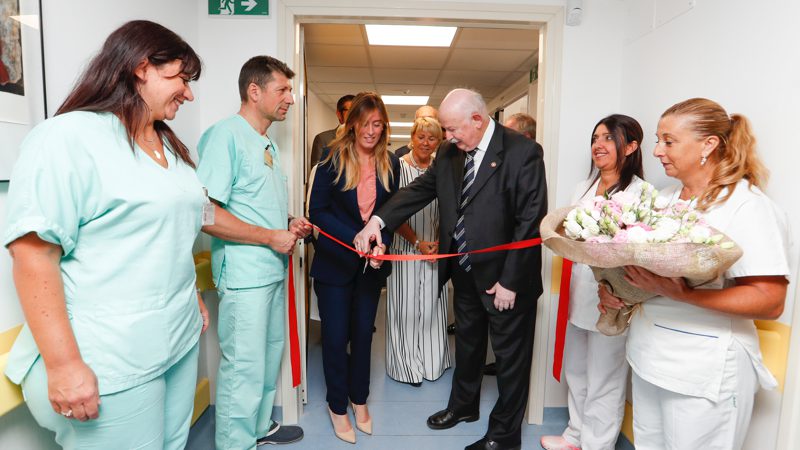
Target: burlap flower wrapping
698 263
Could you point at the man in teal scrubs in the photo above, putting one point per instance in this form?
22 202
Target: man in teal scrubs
241 168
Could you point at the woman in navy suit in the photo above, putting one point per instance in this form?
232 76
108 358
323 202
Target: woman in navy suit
355 177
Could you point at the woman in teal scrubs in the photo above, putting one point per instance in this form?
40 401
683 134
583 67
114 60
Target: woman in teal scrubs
104 207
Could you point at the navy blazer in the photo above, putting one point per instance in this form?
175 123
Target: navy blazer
336 212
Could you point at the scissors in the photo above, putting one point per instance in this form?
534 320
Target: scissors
372 245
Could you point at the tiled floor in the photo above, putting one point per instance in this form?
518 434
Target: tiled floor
399 411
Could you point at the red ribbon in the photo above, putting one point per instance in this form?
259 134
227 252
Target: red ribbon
512 246
294 338
561 318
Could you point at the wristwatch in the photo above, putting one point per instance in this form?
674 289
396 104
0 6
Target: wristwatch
416 244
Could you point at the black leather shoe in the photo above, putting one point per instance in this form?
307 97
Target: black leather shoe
451 329
488 444
490 369
446 418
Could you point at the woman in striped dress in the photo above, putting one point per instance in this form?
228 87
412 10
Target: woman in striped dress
416 313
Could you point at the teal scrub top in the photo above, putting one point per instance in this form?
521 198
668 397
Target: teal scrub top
233 169
126 226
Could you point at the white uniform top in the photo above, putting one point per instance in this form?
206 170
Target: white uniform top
680 347
583 299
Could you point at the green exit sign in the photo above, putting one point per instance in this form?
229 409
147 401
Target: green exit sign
238 7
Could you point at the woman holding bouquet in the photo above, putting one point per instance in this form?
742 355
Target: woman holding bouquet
694 351
594 364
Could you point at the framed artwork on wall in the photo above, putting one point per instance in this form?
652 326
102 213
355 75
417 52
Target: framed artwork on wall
22 90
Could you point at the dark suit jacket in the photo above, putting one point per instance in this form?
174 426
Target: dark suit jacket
320 141
336 212
402 151
507 202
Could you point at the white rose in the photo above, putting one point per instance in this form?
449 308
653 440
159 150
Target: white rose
699 234
625 199
661 202
588 222
587 234
637 235
628 218
572 229
572 214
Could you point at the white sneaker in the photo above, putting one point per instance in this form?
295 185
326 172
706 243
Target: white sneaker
556 443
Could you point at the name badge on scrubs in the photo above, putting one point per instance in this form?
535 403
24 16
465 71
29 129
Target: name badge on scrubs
267 157
208 210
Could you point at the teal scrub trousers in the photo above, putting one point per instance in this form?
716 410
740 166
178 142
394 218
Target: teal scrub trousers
251 338
153 415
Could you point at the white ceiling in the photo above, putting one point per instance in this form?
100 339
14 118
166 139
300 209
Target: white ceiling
340 61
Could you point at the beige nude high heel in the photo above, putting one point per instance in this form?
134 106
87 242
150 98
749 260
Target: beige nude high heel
366 426
347 436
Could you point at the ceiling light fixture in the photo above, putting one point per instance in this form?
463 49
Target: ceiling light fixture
401 124
399 136
410 35
412 100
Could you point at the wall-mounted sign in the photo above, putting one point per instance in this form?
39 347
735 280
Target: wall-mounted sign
238 7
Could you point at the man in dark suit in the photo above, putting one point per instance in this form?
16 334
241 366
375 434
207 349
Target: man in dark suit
323 139
490 183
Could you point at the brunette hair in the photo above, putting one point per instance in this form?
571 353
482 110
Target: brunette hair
624 130
109 83
343 153
735 156
259 70
342 100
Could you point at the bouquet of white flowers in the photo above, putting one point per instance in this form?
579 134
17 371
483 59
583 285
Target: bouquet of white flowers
638 229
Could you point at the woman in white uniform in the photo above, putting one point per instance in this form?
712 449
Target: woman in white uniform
104 207
416 311
594 364
694 351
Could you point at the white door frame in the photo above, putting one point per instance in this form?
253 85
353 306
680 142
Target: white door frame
290 14
788 432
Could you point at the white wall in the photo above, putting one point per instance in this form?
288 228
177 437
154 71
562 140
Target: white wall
321 117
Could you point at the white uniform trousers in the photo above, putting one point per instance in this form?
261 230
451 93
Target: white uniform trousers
664 419
596 373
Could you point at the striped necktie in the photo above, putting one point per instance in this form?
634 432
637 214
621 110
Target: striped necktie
459 235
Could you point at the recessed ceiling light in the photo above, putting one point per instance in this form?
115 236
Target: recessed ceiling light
401 124
410 35
405 99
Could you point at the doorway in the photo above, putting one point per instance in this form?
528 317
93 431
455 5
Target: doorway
293 15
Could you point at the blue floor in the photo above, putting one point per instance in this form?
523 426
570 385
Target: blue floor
399 411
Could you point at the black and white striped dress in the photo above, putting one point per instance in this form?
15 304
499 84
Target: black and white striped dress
416 314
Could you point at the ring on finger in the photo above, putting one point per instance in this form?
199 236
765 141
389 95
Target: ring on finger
67 413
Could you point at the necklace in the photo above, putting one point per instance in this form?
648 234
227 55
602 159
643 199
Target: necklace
414 162
152 149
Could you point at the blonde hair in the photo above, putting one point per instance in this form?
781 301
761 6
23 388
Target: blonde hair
344 155
735 156
426 125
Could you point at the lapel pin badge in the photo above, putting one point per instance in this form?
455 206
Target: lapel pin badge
493 164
